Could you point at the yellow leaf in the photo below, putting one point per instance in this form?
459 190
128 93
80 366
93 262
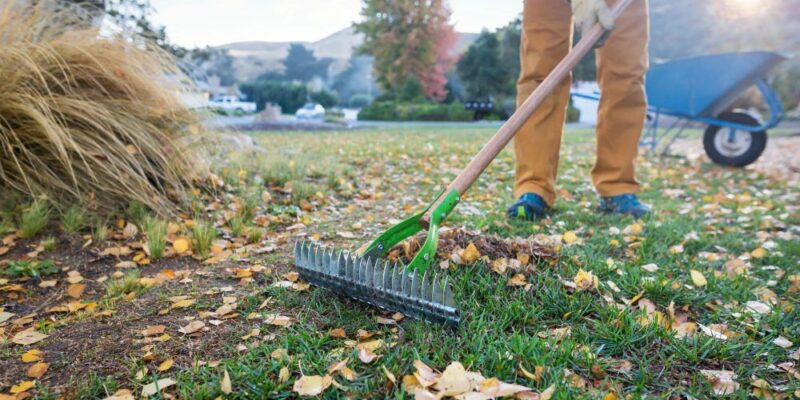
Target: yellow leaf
585 280
32 355
470 254
569 237
759 253
165 365
548 393
182 303
181 245
312 385
225 384
192 327
154 330
348 373
23 386
37 370
698 278
283 375
388 374
338 333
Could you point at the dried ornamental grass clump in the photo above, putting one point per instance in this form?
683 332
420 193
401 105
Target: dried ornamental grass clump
87 118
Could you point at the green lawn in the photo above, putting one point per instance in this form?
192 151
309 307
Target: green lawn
615 339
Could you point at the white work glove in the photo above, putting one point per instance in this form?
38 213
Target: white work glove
589 12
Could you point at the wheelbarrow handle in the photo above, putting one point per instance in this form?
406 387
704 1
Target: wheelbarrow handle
475 168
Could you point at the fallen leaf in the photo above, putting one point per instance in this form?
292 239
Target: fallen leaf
782 342
312 385
569 237
425 375
722 381
37 370
470 254
495 388
181 245
650 267
283 375
75 290
758 307
388 374
121 394
154 330
182 303
338 333
27 337
192 327
453 381
165 365
698 278
585 280
32 355
759 253
23 386
157 386
225 384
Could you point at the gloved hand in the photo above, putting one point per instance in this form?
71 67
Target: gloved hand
588 12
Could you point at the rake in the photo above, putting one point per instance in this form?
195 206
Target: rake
411 288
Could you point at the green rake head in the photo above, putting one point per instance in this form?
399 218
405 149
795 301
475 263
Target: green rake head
410 289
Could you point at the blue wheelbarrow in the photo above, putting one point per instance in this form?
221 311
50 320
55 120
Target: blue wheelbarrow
704 89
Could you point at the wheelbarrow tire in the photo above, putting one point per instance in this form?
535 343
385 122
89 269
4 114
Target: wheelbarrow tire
758 142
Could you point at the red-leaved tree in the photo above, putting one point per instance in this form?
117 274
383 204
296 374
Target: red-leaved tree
410 39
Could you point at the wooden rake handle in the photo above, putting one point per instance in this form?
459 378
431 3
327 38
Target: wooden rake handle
475 168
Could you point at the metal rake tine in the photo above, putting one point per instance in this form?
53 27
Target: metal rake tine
448 300
369 272
425 289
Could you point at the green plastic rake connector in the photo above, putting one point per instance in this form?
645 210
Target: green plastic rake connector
396 234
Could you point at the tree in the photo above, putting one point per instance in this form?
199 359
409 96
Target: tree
301 64
483 73
410 39
133 16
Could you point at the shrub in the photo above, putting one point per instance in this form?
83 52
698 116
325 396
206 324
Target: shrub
425 111
360 100
573 114
87 117
325 98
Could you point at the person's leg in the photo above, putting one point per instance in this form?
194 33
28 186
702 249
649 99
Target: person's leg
621 65
546 39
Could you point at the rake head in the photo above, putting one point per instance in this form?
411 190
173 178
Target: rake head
378 282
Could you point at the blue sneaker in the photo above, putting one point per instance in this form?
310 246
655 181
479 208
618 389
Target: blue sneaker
529 206
625 204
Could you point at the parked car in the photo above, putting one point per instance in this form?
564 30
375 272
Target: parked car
232 104
311 111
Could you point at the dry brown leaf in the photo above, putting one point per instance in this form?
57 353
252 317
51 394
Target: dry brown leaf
453 381
338 333
722 381
27 337
470 254
157 386
182 303
192 327
312 385
154 330
75 290
493 387
425 375
225 385
37 370
121 394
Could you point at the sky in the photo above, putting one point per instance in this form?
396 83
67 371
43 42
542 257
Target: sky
200 23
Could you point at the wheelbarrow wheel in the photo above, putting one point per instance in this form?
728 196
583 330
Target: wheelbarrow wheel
734 147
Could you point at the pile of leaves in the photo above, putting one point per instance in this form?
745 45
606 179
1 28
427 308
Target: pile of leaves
87 117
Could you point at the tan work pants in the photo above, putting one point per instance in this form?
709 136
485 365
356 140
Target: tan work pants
621 64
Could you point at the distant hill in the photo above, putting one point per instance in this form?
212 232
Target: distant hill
254 58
